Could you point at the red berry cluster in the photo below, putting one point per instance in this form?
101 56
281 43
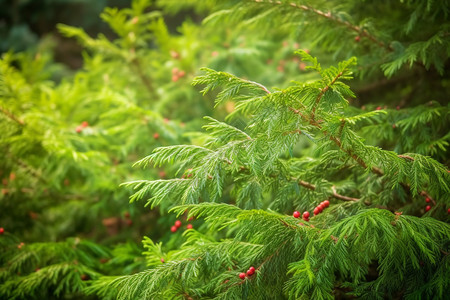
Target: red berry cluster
178 224
83 125
319 208
428 207
2 230
249 273
177 74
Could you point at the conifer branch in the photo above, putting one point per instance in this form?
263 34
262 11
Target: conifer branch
329 16
333 188
144 78
322 92
260 85
11 116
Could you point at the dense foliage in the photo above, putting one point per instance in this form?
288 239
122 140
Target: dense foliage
320 171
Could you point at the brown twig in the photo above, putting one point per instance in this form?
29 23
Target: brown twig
11 116
322 92
329 16
333 189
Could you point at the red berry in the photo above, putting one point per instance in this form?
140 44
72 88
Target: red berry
173 228
84 277
378 108
12 176
427 200
427 208
84 124
189 226
357 38
242 276
127 215
448 212
79 129
326 203
175 71
129 222
174 54
394 126
398 107
181 73
156 135
162 260
214 53
306 215
2 230
296 214
252 268
316 211
178 223
320 207
175 78
250 272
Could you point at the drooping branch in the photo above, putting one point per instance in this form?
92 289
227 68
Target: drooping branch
333 18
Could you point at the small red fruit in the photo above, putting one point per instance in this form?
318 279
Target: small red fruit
427 208
129 222
2 230
84 277
84 124
253 269
378 108
127 215
174 54
175 78
162 260
427 200
357 38
175 71
181 73
189 226
178 223
156 135
242 276
316 211
250 272
296 214
320 207
214 53
448 211
12 176
173 228
398 107
306 215
79 129
326 203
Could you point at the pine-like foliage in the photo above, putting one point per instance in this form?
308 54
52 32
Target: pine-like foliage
354 245
360 146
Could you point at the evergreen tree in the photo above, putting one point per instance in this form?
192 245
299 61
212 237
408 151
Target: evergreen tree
307 182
